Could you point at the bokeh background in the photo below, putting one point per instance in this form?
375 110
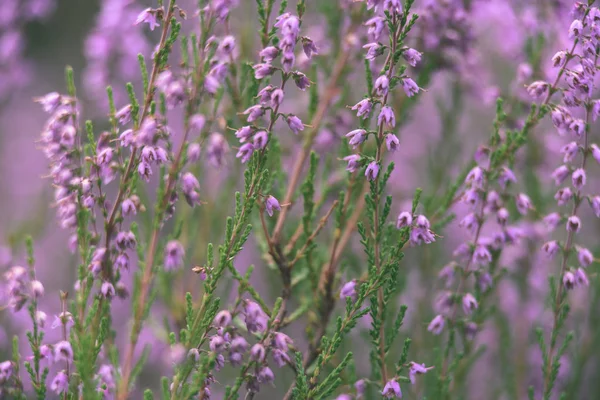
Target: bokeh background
98 39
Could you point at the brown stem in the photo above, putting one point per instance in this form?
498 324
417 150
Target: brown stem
322 108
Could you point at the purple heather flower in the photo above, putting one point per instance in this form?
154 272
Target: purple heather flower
482 255
469 222
596 109
484 281
376 25
258 353
502 216
386 117
107 290
222 319
40 318
60 383
349 290
244 133
245 152
422 222
363 108
148 16
6 370
584 256
353 161
124 114
581 277
227 45
255 318
197 122
174 254
410 87
239 344
281 341
193 152
64 318
560 174
404 219
344 396
287 61
523 203
595 152
576 29
538 89
573 224
217 344
254 112
420 236
578 178
412 56
551 248
382 85
271 204
263 70
128 207
417 369
569 280
570 151
301 81
577 127
392 390
309 47
469 303
436 325
269 53
356 136
63 351
505 177
37 289
372 171
260 140
295 124
280 358
595 203
277 97
374 50
49 102
475 177
360 386
265 375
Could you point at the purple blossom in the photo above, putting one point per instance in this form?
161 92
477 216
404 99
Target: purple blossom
410 87
60 383
386 117
363 108
148 16
295 124
174 254
392 390
382 85
436 325
349 290
372 171
271 204
245 152
412 56
353 161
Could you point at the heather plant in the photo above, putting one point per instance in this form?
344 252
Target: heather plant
253 204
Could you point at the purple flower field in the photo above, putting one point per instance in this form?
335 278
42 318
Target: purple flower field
299 199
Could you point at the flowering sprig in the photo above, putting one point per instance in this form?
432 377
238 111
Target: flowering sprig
577 93
486 195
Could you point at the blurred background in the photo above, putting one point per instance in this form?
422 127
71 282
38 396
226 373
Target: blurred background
509 42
